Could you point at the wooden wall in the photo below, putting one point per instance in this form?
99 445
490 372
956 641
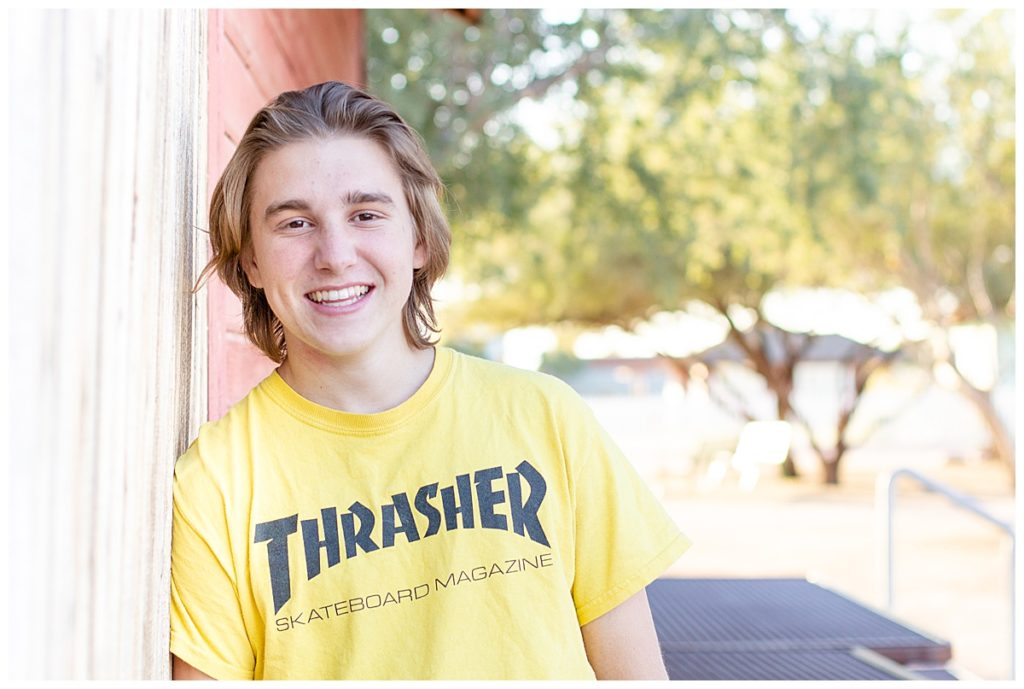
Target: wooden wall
255 55
107 174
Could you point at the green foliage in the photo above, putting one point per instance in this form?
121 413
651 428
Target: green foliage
711 155
468 347
561 364
456 84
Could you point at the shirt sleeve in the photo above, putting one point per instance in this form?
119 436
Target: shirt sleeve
624 537
207 626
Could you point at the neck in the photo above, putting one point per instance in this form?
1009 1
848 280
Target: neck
371 383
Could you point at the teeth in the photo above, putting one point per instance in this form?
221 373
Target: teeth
334 295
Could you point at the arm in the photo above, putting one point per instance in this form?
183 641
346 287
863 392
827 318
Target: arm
206 615
182 670
622 644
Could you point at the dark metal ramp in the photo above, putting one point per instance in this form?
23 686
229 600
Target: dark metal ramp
781 629
773 665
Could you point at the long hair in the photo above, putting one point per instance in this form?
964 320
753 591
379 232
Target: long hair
322 111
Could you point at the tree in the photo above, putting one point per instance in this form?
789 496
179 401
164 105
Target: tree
774 353
701 179
949 202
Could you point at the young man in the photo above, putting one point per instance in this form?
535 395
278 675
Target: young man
379 507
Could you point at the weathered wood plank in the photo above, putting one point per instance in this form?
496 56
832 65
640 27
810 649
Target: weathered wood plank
250 33
332 45
111 154
238 95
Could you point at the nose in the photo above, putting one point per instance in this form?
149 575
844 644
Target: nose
335 248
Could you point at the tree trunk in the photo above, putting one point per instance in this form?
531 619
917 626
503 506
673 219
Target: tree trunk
831 473
1002 443
788 466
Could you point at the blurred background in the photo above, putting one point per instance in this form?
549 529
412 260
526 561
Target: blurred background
707 221
773 249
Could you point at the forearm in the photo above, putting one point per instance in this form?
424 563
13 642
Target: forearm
622 643
182 670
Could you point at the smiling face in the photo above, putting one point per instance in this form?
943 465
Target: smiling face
333 247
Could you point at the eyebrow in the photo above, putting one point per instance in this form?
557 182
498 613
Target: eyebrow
350 198
289 205
354 197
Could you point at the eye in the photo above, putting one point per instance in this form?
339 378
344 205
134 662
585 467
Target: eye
296 224
366 217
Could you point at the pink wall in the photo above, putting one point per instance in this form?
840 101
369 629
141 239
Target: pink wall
253 56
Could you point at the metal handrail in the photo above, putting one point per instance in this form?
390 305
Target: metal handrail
885 494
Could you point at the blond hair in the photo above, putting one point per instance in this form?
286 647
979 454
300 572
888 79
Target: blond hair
322 111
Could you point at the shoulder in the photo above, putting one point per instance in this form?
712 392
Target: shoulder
221 448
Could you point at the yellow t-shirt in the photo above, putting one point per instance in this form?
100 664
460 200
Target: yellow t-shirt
467 533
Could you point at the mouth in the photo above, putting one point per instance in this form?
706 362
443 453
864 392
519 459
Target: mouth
339 297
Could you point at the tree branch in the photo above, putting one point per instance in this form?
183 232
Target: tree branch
739 408
537 88
976 286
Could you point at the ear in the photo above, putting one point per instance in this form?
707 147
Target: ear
419 255
252 271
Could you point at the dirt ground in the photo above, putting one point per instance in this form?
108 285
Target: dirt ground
952 569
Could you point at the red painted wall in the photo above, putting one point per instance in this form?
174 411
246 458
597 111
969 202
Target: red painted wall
253 56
